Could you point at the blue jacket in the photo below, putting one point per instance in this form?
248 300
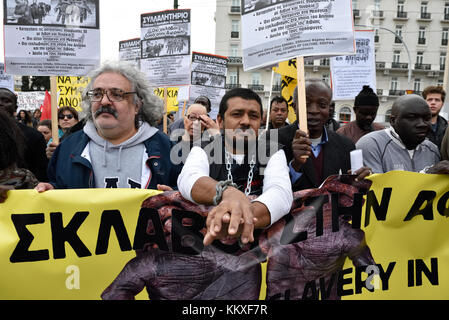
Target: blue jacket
69 170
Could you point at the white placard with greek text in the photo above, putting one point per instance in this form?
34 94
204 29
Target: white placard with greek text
274 31
51 37
165 47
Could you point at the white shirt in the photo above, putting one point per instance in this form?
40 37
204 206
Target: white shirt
276 195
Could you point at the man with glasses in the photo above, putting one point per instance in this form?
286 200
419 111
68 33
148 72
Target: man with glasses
119 147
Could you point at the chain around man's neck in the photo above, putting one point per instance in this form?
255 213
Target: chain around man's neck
252 163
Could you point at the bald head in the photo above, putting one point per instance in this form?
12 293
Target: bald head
410 118
407 101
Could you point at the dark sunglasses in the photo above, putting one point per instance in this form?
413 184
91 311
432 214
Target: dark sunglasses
68 116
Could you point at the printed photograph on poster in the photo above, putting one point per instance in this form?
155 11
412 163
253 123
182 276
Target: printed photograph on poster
282 30
251 5
165 47
74 13
210 80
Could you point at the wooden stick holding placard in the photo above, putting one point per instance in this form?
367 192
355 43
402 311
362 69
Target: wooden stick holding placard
54 109
165 110
301 107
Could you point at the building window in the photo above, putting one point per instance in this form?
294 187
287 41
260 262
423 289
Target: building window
255 78
399 34
235 28
422 35
355 4
444 36
234 50
446 11
417 86
394 84
345 114
396 56
400 5
387 116
419 58
233 77
442 61
376 35
424 13
377 5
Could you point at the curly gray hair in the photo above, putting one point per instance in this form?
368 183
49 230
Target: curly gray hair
152 107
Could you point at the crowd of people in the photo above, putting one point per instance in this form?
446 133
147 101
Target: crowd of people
215 162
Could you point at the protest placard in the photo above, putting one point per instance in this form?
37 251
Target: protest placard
30 100
350 73
208 79
129 50
63 38
274 31
70 90
165 47
6 80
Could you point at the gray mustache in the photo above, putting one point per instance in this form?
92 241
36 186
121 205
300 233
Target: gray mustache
106 109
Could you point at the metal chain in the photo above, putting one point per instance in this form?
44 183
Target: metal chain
250 173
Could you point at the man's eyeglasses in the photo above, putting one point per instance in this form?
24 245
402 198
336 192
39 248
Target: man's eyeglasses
114 95
193 117
68 116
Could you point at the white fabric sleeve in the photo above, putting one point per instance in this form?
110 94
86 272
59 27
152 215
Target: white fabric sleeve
196 166
277 194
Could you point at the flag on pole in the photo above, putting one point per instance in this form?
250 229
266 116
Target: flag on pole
46 107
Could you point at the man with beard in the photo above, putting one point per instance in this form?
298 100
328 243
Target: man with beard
365 108
234 168
315 155
119 147
403 146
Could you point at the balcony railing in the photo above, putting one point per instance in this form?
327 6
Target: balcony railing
234 34
378 13
356 13
444 42
276 88
230 86
380 65
421 40
399 65
446 17
235 60
376 39
422 66
442 67
396 92
401 14
235 9
397 40
425 15
256 87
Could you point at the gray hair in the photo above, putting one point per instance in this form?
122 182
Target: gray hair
152 107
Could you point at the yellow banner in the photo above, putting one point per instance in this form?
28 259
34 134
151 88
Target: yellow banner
70 90
172 98
406 226
73 244
38 237
287 68
288 86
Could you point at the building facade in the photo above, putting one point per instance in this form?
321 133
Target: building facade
411 44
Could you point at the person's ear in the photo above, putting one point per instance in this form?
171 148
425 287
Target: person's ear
220 121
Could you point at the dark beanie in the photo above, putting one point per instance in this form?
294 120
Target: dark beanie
366 97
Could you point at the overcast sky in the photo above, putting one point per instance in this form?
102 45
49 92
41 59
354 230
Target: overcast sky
120 20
